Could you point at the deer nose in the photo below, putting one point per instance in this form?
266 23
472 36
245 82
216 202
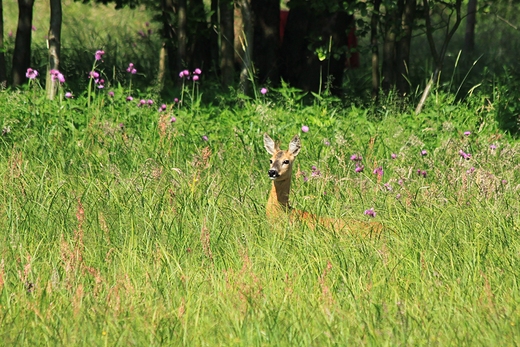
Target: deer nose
272 173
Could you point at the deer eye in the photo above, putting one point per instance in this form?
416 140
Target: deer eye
286 162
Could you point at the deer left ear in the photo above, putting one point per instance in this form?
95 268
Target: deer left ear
295 145
270 145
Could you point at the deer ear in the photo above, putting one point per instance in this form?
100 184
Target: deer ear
270 145
295 145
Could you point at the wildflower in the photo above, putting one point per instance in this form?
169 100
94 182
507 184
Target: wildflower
424 152
111 94
141 103
31 74
359 168
101 83
176 100
305 178
326 142
305 128
315 172
173 119
121 126
197 71
492 147
504 181
204 138
422 173
141 33
149 102
131 69
470 170
393 156
94 75
181 74
68 95
129 98
196 77
378 171
263 91
98 55
398 196
388 187
467 133
400 182
464 155
356 157
163 107
370 212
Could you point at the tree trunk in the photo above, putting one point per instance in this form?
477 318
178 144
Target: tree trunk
214 36
168 50
403 47
227 41
374 20
181 34
267 39
471 20
54 41
3 70
200 47
22 46
389 49
247 73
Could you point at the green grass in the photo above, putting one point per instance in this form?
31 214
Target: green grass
148 235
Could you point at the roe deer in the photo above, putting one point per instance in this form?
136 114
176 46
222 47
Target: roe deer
280 172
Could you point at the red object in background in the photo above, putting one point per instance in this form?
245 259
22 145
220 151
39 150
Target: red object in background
352 62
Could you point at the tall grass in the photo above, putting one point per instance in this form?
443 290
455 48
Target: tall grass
121 227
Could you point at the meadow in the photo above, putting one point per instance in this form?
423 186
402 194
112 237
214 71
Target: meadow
133 223
128 217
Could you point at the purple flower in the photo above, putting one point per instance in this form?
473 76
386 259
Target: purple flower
197 71
56 75
470 170
393 156
141 103
305 128
263 91
31 74
121 126
326 142
196 77
163 107
370 212
378 171
94 74
467 133
359 168
504 181
388 186
149 102
129 98
68 95
493 146
398 196
356 157
131 69
464 155
424 152
176 100
111 94
181 74
98 55
204 138
400 182
141 33
421 173
173 119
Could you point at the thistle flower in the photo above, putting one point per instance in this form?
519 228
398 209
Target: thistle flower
393 156
111 94
98 55
204 138
356 157
173 119
467 133
424 152
31 74
305 128
378 171
359 168
464 155
129 98
68 95
197 71
196 77
370 212
263 91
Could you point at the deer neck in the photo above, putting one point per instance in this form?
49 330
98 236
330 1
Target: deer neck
279 196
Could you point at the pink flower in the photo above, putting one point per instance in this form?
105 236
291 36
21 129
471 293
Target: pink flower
467 133
197 71
196 77
356 157
129 98
98 55
31 74
393 156
370 212
378 171
111 94
263 91
149 102
205 138
359 168
173 120
94 74
141 103
305 128
68 95
424 152
56 75
464 155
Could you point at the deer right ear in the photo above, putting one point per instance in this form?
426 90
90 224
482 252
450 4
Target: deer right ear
269 145
295 145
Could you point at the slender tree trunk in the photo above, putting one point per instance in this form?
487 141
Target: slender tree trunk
227 41
168 52
22 46
214 35
438 56
374 20
267 39
199 54
471 20
247 71
389 67
403 47
161 73
54 42
3 69
181 34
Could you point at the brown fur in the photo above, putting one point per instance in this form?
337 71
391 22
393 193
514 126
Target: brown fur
278 206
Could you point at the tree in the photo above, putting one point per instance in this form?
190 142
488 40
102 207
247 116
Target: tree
227 39
54 43
246 71
22 47
267 39
3 71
